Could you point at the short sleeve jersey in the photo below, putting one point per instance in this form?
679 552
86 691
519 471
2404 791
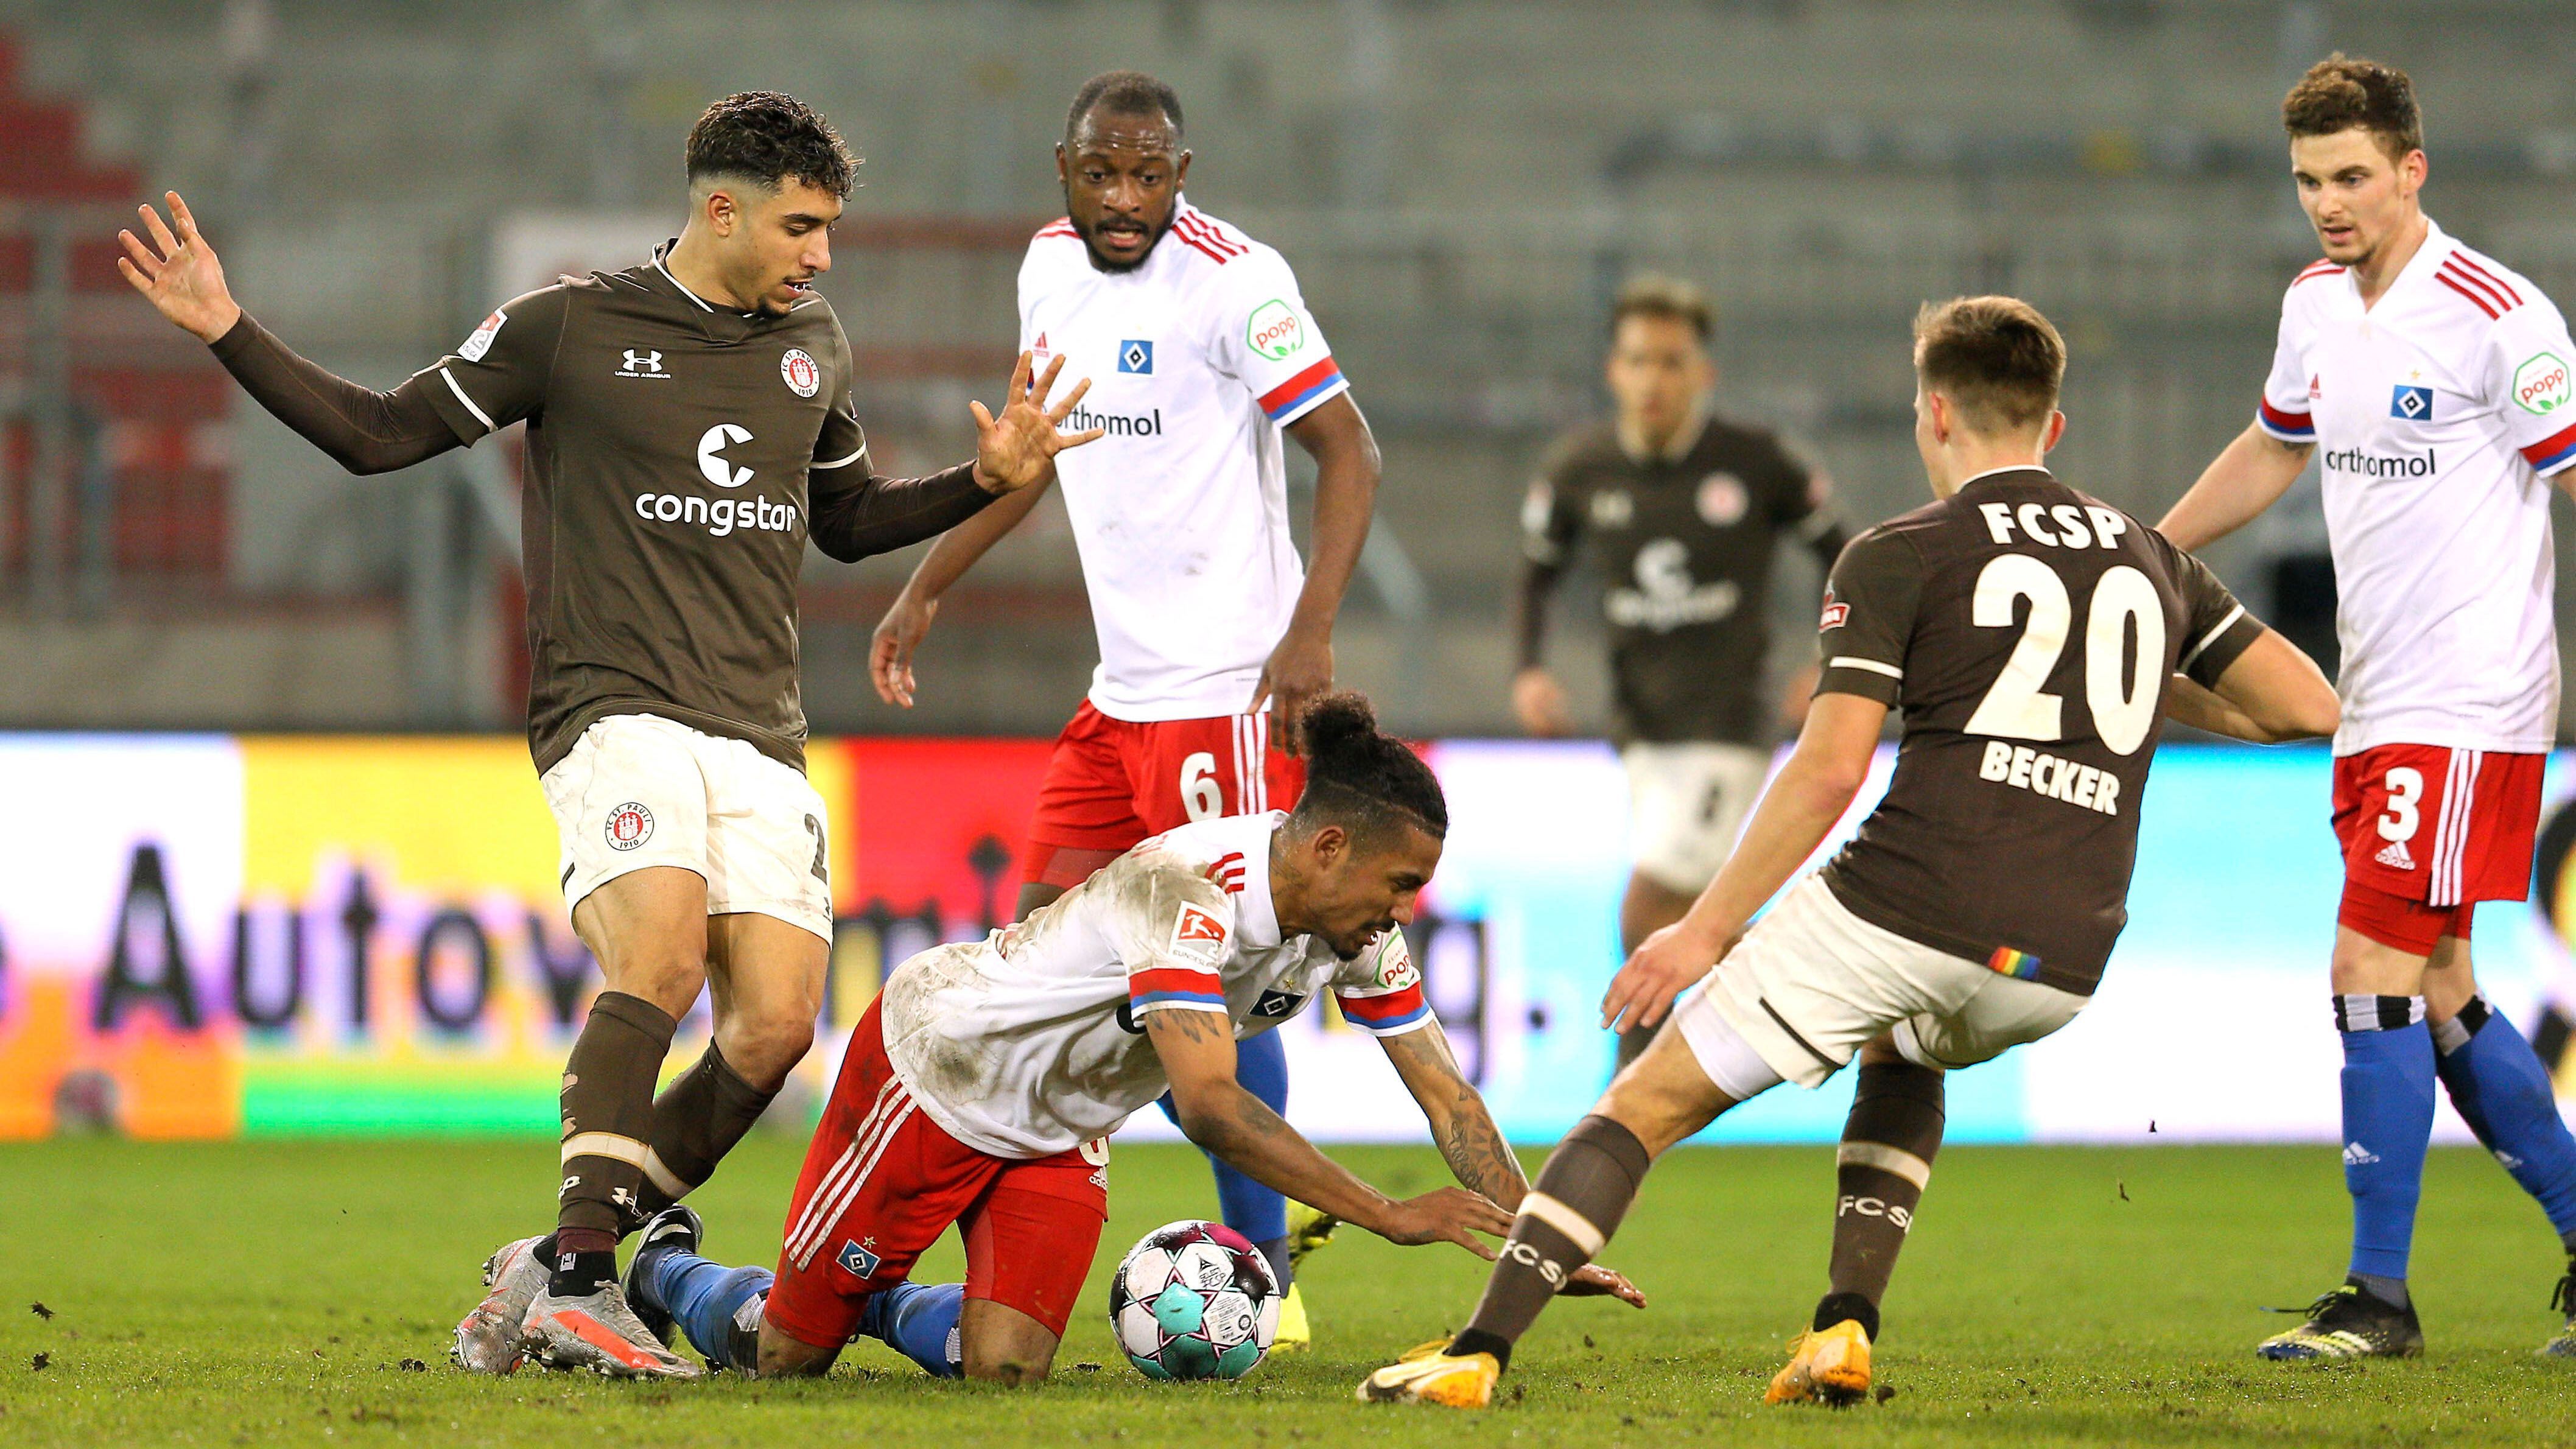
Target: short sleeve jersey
671 445
1685 545
1032 1041
1197 358
2439 412
2028 633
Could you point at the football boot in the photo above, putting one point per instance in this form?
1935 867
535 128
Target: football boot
1429 1374
491 1338
597 1331
2563 1345
676 1226
1826 1366
2347 1324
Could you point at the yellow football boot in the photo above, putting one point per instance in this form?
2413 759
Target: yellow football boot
1294 1332
1427 1374
1829 1366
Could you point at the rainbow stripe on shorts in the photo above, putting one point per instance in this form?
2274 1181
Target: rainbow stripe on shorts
2019 965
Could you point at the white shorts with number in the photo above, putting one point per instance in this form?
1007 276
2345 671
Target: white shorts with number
1811 983
639 790
1686 802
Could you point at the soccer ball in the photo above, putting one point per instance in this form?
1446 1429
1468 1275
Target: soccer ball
1194 1300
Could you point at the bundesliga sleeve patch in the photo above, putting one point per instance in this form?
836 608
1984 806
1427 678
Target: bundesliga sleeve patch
480 340
1198 935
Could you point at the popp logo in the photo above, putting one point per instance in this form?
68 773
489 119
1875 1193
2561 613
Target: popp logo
2542 385
1274 330
711 459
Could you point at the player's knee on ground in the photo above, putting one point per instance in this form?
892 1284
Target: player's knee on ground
1002 1345
785 1357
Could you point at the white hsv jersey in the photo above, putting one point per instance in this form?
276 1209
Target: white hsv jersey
1032 1041
2438 415
1197 359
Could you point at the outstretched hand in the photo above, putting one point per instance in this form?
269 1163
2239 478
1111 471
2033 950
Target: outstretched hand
179 274
1018 448
1668 963
1594 1281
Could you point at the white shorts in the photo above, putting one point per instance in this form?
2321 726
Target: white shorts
640 790
1686 802
1811 983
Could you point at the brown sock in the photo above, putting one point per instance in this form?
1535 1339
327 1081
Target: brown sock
607 1111
696 1121
1889 1141
1581 1195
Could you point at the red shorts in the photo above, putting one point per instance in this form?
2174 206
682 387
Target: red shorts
1114 782
2428 832
882 1182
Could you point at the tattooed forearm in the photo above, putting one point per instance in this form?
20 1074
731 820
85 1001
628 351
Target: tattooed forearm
1477 1153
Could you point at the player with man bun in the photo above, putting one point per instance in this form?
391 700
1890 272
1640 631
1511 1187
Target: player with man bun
1213 635
980 1089
2436 380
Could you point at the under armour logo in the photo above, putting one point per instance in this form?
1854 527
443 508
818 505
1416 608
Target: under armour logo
642 364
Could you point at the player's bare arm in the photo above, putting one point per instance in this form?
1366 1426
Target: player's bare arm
1197 1052
907 620
1300 670
2273 693
1473 1145
2248 476
1811 792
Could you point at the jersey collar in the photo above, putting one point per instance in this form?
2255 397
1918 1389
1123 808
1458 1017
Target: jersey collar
2008 468
2418 270
722 323
1685 438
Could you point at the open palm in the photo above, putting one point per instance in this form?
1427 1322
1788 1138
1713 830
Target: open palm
1019 447
179 273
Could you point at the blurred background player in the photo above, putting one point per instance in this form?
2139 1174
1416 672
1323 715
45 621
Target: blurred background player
664 713
1204 354
2437 380
1685 510
1976 909
981 1087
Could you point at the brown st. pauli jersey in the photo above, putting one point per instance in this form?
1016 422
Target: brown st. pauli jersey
2028 633
1685 545
667 500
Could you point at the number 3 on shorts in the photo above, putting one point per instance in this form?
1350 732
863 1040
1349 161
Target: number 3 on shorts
2405 787
1201 795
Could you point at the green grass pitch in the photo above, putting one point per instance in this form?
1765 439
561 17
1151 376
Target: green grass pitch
267 1293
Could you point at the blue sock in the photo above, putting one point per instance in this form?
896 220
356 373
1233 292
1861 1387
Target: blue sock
2387 1124
1259 1213
919 1321
705 1298
2503 1092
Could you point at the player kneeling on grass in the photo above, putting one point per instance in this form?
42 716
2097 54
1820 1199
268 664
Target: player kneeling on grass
2032 636
981 1087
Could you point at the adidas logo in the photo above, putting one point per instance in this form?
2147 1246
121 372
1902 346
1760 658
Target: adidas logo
2393 855
2356 1155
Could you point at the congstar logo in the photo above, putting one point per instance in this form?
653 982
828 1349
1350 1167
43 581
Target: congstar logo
711 459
